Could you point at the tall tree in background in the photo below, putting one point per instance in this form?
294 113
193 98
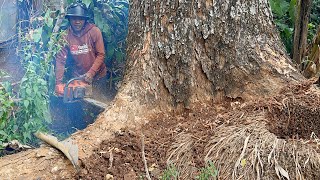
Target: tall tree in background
301 30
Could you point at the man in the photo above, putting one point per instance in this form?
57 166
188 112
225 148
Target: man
83 56
84 52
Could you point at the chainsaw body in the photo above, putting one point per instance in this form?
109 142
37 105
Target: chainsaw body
74 90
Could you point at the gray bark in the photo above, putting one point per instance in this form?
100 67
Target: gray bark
191 51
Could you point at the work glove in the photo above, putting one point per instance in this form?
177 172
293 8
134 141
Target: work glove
87 78
59 89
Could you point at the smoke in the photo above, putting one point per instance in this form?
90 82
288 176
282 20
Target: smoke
8 21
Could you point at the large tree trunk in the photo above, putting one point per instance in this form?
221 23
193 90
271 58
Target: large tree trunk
189 51
180 53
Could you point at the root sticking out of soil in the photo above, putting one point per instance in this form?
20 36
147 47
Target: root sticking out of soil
295 113
266 139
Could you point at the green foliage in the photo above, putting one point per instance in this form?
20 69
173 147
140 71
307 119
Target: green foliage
208 172
314 19
41 44
170 173
33 113
6 114
20 119
30 112
284 12
284 17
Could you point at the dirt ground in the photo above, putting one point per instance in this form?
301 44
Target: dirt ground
298 111
293 114
122 156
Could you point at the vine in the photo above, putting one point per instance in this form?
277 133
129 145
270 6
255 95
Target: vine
29 111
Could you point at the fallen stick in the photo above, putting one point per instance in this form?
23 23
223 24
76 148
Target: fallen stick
144 158
110 158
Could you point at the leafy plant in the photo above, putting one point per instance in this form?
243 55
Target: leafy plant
170 173
284 17
29 113
6 114
208 172
33 113
314 19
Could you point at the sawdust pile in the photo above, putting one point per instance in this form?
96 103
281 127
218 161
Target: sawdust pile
269 138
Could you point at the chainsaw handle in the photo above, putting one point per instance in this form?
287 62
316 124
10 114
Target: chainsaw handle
74 79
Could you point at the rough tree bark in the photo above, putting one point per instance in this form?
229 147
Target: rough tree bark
312 68
180 54
194 50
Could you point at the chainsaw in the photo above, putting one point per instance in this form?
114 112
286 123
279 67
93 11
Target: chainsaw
77 89
74 90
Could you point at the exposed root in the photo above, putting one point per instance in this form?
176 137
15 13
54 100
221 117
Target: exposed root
265 139
180 154
241 157
250 151
144 158
110 158
262 155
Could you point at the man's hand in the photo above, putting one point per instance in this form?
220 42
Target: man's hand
59 89
87 78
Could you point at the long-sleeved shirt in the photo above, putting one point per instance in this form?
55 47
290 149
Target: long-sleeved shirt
86 51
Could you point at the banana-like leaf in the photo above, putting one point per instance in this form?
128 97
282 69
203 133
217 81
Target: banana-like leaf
67 147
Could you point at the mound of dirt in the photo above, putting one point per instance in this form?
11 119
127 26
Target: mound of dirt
295 113
240 139
121 157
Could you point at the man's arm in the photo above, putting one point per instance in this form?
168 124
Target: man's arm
100 53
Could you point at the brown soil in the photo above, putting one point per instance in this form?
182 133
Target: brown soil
295 114
159 135
292 114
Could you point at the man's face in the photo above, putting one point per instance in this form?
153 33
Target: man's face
77 23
